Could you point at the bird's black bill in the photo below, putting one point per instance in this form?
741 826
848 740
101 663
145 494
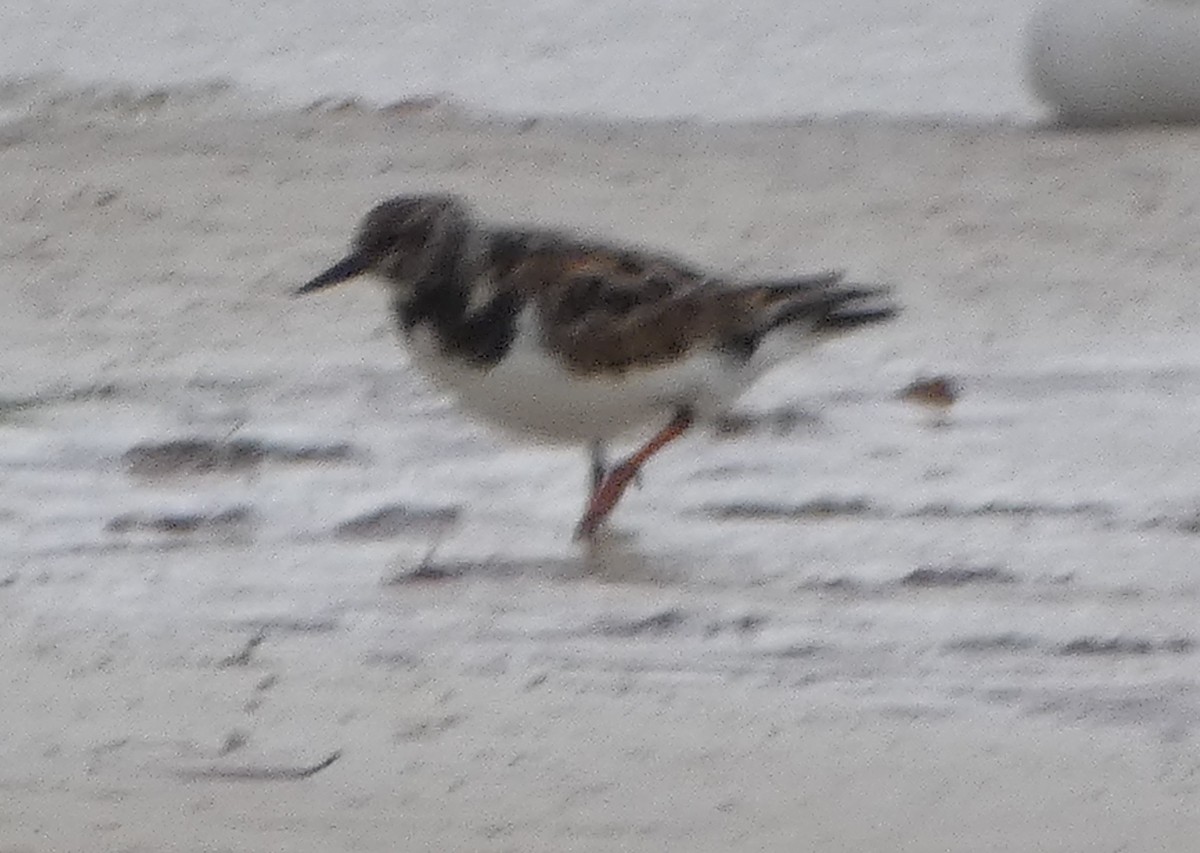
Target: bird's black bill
343 270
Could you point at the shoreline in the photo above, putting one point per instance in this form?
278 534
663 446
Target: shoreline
247 102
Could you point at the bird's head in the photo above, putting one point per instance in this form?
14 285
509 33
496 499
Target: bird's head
399 240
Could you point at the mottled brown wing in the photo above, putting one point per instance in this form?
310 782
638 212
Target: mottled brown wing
610 310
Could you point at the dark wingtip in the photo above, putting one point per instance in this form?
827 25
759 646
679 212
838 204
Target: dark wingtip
344 270
857 306
845 321
837 308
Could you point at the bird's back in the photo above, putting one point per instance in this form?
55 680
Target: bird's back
609 309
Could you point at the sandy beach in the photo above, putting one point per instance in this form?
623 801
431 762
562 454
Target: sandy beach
263 588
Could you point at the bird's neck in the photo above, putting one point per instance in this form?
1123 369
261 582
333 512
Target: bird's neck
454 299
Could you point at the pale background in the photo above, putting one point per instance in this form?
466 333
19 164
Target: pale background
707 58
847 628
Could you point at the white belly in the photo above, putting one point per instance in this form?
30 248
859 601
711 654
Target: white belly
530 393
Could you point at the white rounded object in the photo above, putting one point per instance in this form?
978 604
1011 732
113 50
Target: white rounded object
1117 61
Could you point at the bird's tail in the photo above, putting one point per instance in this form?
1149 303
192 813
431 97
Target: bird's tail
823 304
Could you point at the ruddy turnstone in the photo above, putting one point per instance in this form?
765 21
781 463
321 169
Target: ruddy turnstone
552 335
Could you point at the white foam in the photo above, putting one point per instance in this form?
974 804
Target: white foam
623 58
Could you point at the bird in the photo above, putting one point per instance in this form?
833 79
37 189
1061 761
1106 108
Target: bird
562 337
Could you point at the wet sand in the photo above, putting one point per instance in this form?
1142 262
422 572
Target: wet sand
262 588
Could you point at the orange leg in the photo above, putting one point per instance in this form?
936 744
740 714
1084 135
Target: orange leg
609 492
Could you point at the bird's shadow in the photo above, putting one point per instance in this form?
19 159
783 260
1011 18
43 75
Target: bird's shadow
609 556
616 556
